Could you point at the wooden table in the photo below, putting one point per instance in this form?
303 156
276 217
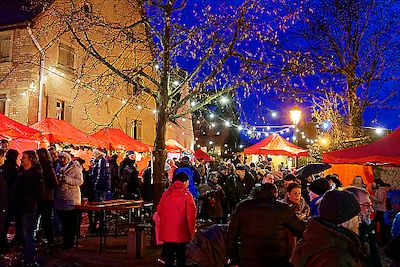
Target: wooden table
117 205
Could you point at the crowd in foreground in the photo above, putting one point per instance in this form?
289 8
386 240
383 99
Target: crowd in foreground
275 218
278 219
40 190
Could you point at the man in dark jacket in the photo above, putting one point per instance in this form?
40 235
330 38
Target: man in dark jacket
238 186
331 239
28 189
129 176
367 228
3 207
260 223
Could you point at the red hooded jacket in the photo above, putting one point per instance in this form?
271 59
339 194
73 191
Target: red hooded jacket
177 212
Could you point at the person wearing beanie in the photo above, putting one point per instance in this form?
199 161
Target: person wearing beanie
331 239
316 190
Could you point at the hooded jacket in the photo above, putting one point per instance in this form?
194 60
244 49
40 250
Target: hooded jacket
328 245
177 213
68 193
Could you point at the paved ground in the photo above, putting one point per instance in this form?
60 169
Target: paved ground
87 254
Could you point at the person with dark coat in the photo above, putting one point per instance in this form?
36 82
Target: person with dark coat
331 239
3 208
46 201
238 187
10 169
129 175
114 168
317 190
367 228
260 225
212 195
147 188
28 189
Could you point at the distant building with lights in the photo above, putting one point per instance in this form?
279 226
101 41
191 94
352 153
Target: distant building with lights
40 77
215 128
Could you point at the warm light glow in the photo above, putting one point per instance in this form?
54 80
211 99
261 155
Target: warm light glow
295 115
324 141
379 131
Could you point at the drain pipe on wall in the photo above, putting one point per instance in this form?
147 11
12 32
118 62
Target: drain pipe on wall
41 72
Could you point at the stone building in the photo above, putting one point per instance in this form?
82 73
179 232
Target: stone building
45 73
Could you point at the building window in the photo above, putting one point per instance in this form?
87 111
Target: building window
137 130
66 56
3 100
5 47
60 109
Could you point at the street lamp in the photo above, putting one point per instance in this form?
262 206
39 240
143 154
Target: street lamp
295 115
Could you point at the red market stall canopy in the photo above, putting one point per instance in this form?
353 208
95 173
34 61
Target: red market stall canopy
172 146
13 129
118 140
200 154
60 131
276 145
386 150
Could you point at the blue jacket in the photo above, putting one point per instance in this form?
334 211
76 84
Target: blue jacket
101 175
193 176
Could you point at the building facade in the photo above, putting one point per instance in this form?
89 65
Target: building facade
44 72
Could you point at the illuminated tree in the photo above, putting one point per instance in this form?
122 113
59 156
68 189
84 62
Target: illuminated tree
199 51
345 50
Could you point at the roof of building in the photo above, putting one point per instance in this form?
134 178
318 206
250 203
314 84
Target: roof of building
18 11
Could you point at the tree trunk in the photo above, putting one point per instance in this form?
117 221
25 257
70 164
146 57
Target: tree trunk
355 111
159 157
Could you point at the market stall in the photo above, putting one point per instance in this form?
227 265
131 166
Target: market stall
362 160
200 154
60 131
118 140
276 145
22 137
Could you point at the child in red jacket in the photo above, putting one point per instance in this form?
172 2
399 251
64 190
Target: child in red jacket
177 220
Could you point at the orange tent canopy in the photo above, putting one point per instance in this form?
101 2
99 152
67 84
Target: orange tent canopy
276 145
13 129
118 140
201 154
60 131
174 147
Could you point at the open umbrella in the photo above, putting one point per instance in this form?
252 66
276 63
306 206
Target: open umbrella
312 168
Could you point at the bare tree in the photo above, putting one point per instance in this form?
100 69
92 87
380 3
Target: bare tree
348 50
173 51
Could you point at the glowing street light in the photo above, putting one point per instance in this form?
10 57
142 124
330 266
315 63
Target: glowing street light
295 115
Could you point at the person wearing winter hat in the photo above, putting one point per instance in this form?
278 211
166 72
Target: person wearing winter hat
331 239
316 190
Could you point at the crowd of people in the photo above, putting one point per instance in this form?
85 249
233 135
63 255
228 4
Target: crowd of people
40 194
274 217
278 219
